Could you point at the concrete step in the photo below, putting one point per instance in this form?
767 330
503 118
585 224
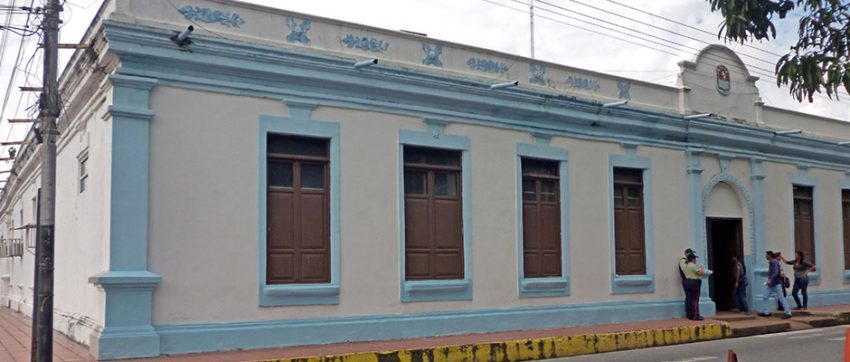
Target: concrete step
816 321
733 316
758 326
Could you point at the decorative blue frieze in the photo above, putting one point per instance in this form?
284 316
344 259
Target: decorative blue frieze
432 54
365 43
486 65
537 72
298 30
583 83
624 90
207 15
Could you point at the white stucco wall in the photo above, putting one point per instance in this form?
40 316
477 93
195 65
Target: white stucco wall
18 294
204 213
724 202
81 229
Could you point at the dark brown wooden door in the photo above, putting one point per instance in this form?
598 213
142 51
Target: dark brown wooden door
433 214
804 222
845 207
298 215
541 219
628 222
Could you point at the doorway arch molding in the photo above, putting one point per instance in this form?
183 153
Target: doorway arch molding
742 192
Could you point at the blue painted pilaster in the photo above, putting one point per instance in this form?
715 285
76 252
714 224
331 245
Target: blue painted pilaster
706 305
128 285
756 265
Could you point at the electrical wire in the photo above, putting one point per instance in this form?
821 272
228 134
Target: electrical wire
766 73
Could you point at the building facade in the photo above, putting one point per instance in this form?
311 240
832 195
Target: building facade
251 187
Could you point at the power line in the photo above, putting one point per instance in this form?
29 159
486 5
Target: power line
749 68
586 29
619 26
647 24
687 25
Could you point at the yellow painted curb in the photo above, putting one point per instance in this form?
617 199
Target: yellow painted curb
537 348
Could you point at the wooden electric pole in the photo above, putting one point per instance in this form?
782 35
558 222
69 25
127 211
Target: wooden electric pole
50 109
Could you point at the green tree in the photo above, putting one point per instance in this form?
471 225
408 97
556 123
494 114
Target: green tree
821 57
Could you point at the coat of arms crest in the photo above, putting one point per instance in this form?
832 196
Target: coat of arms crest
724 85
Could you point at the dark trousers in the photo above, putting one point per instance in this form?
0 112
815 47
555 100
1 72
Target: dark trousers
800 285
692 289
741 297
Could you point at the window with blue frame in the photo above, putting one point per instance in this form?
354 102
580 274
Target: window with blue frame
629 243
298 216
541 218
433 214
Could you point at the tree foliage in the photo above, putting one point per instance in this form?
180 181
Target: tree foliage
819 61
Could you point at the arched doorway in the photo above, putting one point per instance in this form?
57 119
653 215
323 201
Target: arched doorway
724 236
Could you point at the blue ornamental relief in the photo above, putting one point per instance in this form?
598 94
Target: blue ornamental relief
365 43
297 30
486 65
624 90
583 83
432 55
207 15
537 72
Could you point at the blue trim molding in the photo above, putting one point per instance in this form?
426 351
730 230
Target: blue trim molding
299 332
487 65
437 290
128 284
299 123
537 74
802 178
207 15
432 54
757 276
365 43
298 30
741 190
242 68
625 284
554 286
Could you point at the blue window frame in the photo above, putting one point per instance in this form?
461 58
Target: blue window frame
625 284
299 124
802 178
437 290
546 286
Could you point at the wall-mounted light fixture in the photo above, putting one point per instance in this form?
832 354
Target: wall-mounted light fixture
701 115
616 104
182 38
365 63
789 132
504 85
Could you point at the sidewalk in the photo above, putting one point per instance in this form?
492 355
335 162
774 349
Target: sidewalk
15 341
517 345
503 346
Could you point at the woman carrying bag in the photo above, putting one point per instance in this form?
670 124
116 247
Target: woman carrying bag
801 278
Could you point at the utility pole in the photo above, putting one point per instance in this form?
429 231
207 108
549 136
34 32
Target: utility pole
49 112
531 19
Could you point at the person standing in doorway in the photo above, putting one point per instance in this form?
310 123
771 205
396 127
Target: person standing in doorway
772 285
693 281
801 278
740 291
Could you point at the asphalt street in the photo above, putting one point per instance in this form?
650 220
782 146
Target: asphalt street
821 345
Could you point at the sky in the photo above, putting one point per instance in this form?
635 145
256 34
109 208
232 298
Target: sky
638 39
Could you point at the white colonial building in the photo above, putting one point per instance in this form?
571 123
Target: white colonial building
251 187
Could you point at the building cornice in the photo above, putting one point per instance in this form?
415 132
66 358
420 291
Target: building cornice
222 65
